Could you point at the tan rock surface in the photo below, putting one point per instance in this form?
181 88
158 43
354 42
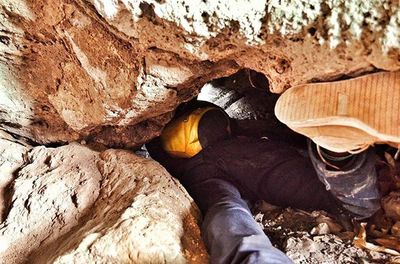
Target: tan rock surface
111 71
11 159
73 204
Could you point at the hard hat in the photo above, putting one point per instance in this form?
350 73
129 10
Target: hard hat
187 135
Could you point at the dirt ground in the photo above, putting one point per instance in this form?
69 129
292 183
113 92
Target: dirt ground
313 237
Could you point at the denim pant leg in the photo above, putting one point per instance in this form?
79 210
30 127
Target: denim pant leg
356 186
229 230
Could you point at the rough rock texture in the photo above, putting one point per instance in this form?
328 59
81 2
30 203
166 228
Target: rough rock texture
74 204
391 205
11 159
313 238
326 248
110 71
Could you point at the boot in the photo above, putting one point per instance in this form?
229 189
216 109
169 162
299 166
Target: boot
347 115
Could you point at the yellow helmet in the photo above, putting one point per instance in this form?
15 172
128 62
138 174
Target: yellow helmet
183 137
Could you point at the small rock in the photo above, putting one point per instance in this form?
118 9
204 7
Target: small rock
321 229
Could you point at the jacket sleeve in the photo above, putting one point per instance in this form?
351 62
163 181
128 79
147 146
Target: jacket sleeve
249 128
266 128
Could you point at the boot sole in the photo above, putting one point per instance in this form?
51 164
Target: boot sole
370 103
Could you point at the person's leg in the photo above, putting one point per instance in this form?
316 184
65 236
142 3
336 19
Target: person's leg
229 230
345 115
294 183
300 183
350 178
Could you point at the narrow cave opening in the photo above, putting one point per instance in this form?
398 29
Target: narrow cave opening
84 84
245 97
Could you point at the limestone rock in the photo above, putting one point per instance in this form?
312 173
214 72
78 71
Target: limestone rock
65 75
325 248
112 72
313 237
290 42
74 204
101 70
11 159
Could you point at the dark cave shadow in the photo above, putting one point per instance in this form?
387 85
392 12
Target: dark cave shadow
7 200
9 190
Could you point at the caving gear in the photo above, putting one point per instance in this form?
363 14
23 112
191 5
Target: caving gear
191 132
348 115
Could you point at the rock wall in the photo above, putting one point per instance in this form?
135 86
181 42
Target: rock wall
111 71
75 205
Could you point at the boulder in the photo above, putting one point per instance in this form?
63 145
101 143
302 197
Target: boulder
72 204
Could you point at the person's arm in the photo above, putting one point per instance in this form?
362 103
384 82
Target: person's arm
250 128
266 128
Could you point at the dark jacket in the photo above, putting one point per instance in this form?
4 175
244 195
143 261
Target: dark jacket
261 169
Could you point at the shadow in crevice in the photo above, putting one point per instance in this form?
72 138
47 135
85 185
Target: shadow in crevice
7 200
246 97
9 190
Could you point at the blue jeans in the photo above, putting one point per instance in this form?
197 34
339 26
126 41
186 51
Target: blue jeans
231 233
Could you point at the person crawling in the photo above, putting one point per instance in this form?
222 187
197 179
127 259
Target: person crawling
225 172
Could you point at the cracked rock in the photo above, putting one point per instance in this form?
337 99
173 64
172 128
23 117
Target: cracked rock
74 204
